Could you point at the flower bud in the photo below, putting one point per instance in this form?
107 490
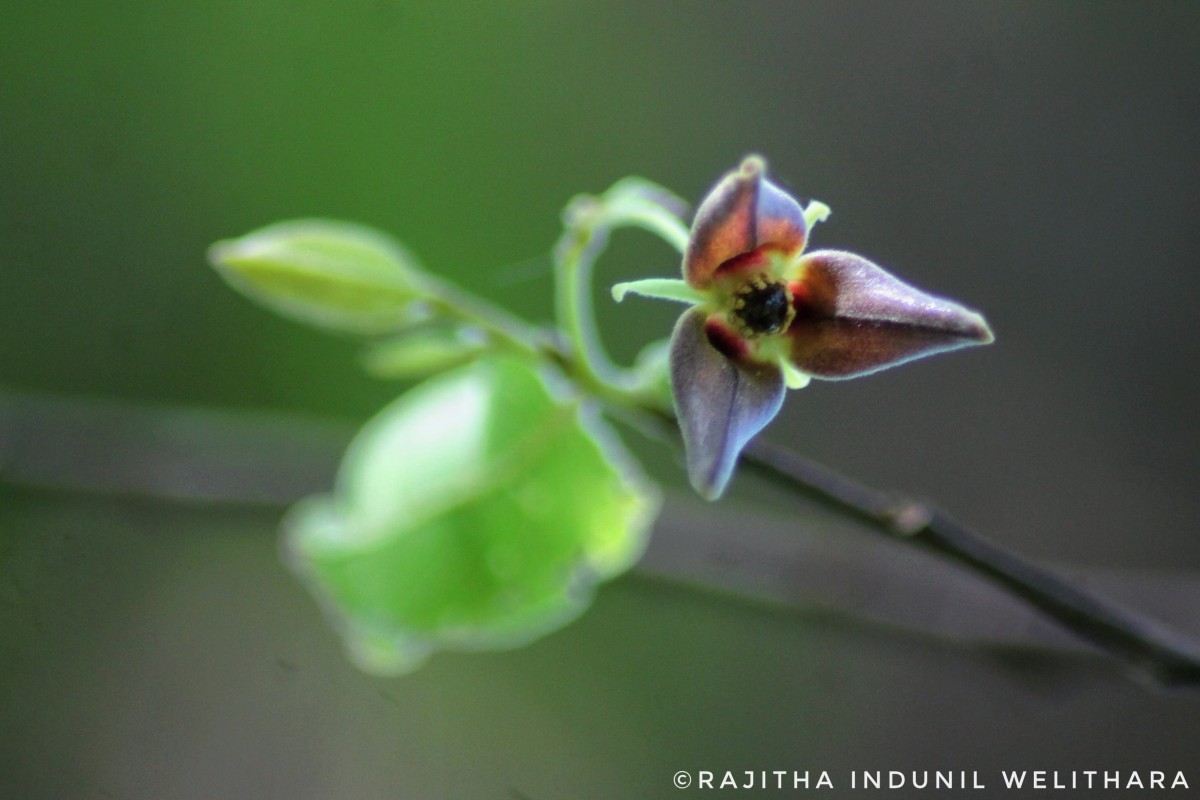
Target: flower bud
331 274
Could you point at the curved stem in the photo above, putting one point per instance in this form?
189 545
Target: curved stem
588 221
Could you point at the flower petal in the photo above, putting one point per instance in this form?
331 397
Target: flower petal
721 403
854 318
742 212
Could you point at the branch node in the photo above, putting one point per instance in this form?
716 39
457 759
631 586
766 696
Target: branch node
907 518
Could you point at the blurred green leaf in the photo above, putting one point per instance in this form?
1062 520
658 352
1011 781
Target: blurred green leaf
424 352
478 511
332 274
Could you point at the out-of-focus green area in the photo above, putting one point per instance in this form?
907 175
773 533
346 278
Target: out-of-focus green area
477 512
1037 161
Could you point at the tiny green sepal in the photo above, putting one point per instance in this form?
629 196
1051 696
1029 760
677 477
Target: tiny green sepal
792 377
815 212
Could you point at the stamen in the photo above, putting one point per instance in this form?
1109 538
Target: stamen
762 307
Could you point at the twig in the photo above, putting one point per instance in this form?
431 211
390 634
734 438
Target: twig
1144 644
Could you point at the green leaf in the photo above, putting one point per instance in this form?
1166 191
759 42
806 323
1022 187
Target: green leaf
424 352
337 275
478 511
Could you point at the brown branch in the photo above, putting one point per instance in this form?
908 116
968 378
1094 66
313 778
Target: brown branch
1144 644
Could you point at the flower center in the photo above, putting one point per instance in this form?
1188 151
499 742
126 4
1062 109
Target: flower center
763 307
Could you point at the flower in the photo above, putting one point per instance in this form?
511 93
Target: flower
765 316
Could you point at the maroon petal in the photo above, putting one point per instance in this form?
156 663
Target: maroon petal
743 212
721 403
854 318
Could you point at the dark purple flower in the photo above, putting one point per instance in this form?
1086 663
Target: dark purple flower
767 315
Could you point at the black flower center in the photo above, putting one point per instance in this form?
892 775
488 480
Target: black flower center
764 307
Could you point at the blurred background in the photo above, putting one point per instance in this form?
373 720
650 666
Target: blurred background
1036 161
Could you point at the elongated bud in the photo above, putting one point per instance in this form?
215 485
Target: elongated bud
331 274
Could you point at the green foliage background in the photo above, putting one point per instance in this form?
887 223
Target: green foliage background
1037 161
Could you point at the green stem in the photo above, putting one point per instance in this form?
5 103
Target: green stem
588 222
506 328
